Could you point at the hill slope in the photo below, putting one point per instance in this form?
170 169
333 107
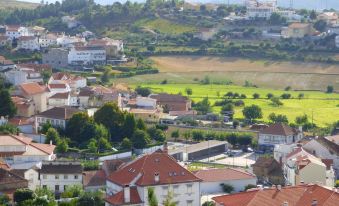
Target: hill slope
11 4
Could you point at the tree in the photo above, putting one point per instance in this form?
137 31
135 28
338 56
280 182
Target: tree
141 124
203 106
152 199
62 146
156 134
143 91
187 135
252 112
126 144
45 193
80 127
140 139
151 48
21 195
197 135
208 203
320 25
175 134
229 94
45 126
52 135
269 95
235 124
276 101
227 109
329 89
91 199
301 120
278 118
112 118
4 200
232 139
256 96
313 15
277 19
129 125
288 88
188 91
301 95
9 129
7 107
227 188
106 75
244 140
169 200
73 191
286 96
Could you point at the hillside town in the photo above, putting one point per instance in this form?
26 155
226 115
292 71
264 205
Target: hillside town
78 128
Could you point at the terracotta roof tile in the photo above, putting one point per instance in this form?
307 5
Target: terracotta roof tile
10 179
215 175
46 148
159 162
279 129
118 198
94 178
57 86
60 96
60 112
32 88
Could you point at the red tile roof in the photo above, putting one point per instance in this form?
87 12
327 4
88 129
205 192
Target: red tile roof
36 67
94 178
302 195
118 198
65 112
215 175
32 88
46 148
57 86
159 162
60 96
279 129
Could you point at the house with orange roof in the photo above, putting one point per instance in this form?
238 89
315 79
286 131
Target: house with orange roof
303 167
20 152
129 184
10 182
36 92
75 82
25 107
301 195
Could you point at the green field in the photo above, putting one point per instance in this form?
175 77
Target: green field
12 4
164 26
325 107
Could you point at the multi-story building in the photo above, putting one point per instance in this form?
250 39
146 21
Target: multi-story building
59 100
25 107
114 48
172 102
331 18
56 57
297 30
57 116
37 93
75 82
69 41
15 31
4 41
58 175
277 134
129 184
28 43
22 153
55 88
19 75
48 40
86 55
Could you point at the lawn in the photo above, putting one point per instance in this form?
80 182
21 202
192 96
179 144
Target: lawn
12 4
165 26
323 106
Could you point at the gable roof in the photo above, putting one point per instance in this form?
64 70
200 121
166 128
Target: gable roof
214 175
302 195
57 86
164 97
61 167
60 96
118 198
10 180
279 129
32 88
94 178
330 145
59 112
144 169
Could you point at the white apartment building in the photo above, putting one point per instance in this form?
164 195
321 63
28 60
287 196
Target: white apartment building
28 43
19 76
58 175
14 32
157 170
86 55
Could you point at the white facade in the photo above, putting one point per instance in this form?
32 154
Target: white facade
269 139
47 40
215 187
67 41
33 179
59 102
256 9
337 41
282 150
39 121
17 32
146 102
86 55
59 182
19 76
184 194
28 43
58 89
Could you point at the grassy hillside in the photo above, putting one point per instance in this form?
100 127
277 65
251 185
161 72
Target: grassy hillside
164 26
11 4
325 107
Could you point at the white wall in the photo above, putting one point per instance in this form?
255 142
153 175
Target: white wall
64 179
214 187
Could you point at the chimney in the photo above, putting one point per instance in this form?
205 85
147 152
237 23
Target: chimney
50 142
156 177
314 202
127 194
279 188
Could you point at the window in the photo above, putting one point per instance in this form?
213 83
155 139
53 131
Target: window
65 177
76 177
57 188
165 190
189 188
56 177
190 203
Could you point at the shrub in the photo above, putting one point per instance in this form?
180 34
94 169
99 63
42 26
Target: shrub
269 95
330 89
227 188
286 96
249 186
256 96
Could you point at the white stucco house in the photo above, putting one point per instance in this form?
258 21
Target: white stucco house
213 179
58 175
129 184
86 55
276 134
60 100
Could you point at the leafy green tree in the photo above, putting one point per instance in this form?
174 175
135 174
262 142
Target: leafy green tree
189 91
252 112
129 125
78 127
4 200
329 89
313 15
286 96
301 95
276 101
9 129
156 134
92 146
227 188
169 200
126 143
229 94
105 76
112 118
280 118
249 186
187 135
175 134
227 109
300 120
73 191
45 126
7 107
62 146
256 96
244 140
208 203
269 95
197 135
232 139
152 199
91 199
140 139
143 91
277 19
46 193
52 135
141 124
204 106
20 195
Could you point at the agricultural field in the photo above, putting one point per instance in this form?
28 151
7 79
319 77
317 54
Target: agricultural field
12 4
324 107
164 26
